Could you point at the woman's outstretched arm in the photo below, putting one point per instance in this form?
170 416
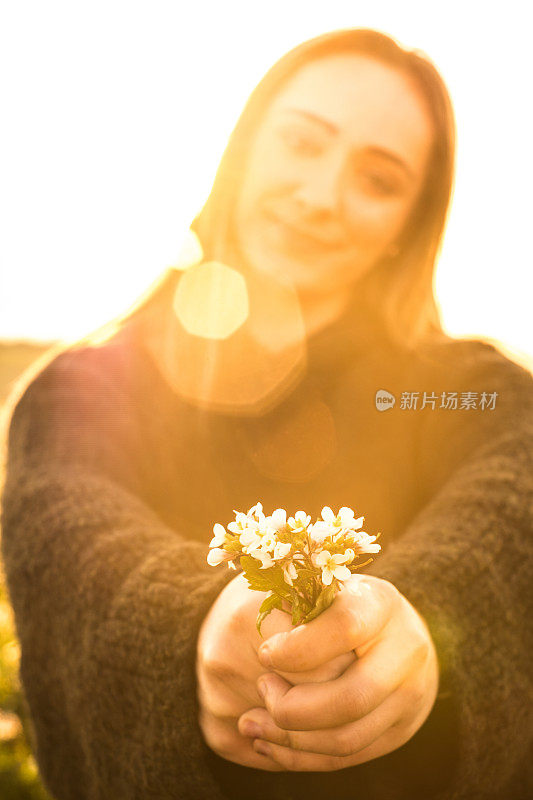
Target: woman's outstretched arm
464 563
108 599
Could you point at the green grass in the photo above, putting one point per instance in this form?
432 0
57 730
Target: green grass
18 771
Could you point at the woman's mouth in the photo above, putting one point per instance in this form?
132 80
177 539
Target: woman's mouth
298 240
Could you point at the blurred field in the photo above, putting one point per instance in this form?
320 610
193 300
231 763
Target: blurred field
19 778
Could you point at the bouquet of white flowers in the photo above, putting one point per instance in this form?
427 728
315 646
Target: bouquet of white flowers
301 565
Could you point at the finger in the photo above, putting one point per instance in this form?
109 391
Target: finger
303 761
224 739
300 761
362 688
357 615
225 693
345 740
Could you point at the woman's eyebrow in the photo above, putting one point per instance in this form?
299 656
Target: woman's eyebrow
373 150
382 152
329 126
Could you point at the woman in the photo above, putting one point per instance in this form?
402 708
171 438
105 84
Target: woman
141 664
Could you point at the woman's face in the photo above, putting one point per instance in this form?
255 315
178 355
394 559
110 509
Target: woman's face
335 168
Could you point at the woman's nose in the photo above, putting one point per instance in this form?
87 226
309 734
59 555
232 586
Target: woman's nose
320 187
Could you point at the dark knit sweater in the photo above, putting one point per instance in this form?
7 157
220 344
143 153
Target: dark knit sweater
113 485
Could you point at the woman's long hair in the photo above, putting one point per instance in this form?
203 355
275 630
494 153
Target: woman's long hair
399 289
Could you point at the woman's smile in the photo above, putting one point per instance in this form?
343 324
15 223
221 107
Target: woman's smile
299 240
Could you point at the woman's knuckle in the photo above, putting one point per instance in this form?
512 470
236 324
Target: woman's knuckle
386 590
282 716
420 650
218 705
335 762
235 621
349 619
293 740
225 742
415 695
289 759
217 734
218 669
360 700
343 744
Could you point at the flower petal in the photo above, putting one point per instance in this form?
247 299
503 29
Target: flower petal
342 573
328 515
339 558
350 554
220 535
279 518
217 556
281 549
322 558
327 576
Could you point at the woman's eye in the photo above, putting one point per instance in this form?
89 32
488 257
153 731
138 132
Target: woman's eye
300 143
378 183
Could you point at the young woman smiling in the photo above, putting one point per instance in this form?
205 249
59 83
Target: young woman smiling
250 376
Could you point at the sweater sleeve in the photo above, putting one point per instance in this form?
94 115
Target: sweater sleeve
465 563
108 599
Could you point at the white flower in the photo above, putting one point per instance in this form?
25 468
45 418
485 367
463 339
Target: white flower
347 519
350 555
254 519
257 512
258 539
332 566
268 550
235 527
216 556
289 573
278 519
300 521
220 535
344 520
269 540
319 531
250 540
364 543
243 523
328 515
281 549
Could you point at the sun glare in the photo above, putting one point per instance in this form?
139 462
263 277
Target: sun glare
116 130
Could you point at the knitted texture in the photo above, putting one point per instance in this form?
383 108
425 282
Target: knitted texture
112 486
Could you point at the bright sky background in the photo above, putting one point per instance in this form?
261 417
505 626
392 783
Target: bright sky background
115 115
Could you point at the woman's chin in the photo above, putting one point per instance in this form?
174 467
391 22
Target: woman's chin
302 276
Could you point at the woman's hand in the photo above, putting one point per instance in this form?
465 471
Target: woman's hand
227 669
374 707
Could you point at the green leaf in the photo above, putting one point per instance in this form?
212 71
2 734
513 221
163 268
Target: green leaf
304 572
324 600
297 611
264 580
269 604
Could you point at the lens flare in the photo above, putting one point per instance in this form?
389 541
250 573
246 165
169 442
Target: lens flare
211 300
